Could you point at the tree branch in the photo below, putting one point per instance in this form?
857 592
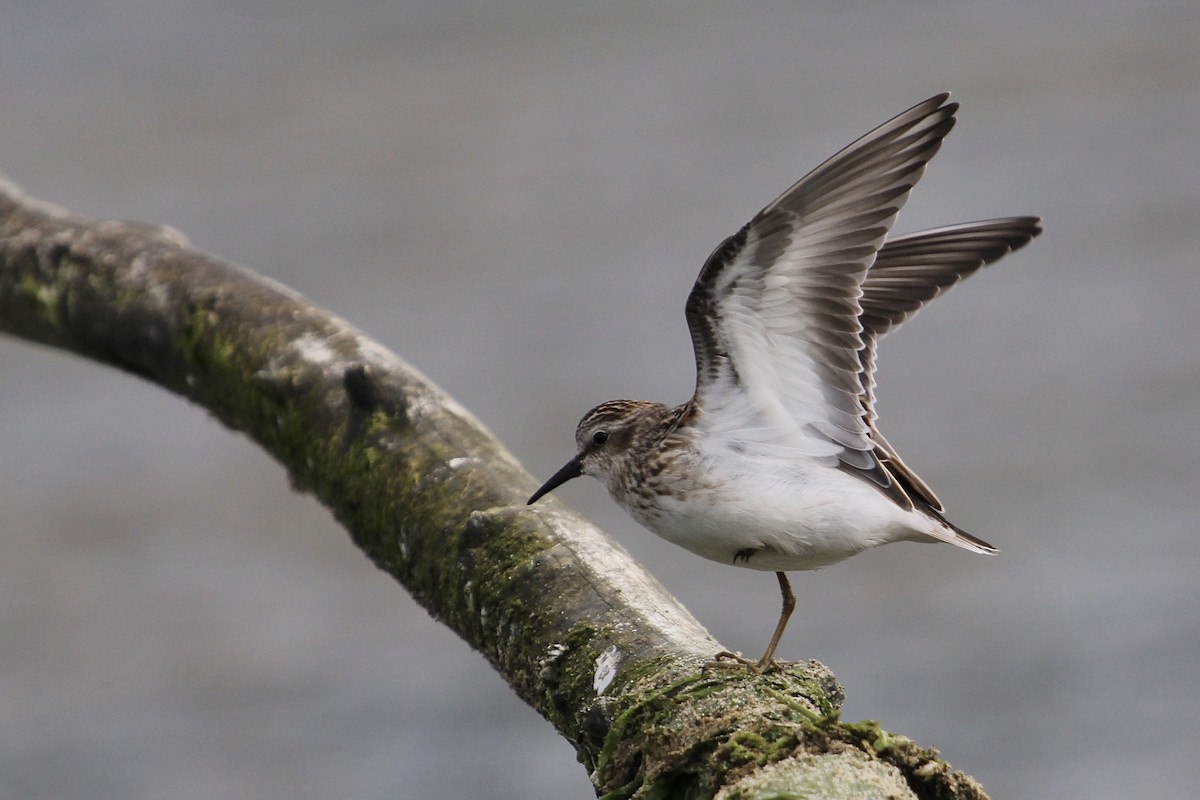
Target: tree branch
579 629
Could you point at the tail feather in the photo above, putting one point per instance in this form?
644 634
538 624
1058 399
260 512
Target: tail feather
948 532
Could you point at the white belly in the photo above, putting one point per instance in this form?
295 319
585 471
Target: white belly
807 521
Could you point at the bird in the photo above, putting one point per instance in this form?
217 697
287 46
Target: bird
776 462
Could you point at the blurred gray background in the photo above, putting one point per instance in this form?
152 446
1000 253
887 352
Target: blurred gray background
516 199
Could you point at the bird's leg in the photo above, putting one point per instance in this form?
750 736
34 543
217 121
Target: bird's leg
727 660
789 605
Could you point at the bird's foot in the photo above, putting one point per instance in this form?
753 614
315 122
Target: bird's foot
730 660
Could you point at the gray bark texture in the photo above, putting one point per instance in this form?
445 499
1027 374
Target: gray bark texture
578 628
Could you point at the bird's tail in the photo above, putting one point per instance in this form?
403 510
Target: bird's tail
948 532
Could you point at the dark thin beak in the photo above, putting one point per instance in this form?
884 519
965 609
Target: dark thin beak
572 469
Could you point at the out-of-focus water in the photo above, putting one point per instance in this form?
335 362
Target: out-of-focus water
517 202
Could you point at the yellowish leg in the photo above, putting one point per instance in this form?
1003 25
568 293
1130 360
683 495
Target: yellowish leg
727 659
789 605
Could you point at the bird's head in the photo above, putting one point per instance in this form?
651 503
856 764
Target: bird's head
605 439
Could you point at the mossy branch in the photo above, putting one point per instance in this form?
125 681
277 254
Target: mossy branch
581 631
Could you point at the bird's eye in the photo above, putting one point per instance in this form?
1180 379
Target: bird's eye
599 438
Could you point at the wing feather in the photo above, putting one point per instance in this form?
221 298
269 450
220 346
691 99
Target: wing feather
775 312
913 269
910 271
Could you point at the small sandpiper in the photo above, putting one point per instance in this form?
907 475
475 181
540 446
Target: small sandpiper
775 463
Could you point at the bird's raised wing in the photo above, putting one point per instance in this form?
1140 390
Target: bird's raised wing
774 314
910 271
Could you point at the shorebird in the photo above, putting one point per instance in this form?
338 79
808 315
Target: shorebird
776 463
